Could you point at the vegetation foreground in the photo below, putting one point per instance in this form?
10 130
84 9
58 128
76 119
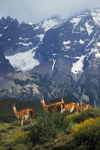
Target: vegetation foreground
54 132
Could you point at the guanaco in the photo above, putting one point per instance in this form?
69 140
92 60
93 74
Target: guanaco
71 107
84 107
57 107
23 114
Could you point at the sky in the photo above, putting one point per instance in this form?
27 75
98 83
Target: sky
36 11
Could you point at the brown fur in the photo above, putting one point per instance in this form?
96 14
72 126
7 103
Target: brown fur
57 107
84 107
71 107
23 114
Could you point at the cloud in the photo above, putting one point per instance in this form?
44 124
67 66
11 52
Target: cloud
38 10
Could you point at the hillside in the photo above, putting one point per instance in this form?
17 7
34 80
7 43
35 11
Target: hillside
67 132
6 112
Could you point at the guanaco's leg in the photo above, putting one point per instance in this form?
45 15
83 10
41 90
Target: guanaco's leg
21 122
31 120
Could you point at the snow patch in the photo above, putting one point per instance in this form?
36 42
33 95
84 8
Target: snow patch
96 16
30 23
5 27
82 29
1 34
54 61
54 54
89 28
66 56
23 61
98 44
75 21
81 41
41 36
77 66
37 27
25 44
66 42
49 24
20 38
97 55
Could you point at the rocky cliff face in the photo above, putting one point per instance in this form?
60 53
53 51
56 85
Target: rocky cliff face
67 54
74 51
5 66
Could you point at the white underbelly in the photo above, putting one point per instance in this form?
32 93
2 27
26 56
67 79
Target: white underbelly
72 109
26 116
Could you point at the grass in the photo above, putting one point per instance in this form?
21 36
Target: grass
53 132
4 125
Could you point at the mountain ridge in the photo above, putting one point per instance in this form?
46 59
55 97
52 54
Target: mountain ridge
67 59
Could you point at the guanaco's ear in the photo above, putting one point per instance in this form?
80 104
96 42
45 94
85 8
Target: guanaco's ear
61 98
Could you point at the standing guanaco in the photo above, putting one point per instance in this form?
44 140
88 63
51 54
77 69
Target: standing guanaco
71 107
23 114
58 107
84 107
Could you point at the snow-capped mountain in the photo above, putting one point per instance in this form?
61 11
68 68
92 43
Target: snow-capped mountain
73 49
61 57
21 40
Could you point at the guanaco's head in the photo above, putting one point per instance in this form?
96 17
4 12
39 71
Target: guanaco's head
80 102
77 103
13 106
41 100
62 100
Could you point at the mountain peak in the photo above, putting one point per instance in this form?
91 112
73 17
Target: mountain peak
61 57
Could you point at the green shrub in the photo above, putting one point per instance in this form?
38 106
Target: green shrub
47 127
19 147
17 122
88 133
83 115
21 137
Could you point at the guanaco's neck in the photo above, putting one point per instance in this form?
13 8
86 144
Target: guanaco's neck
44 104
81 106
63 101
15 111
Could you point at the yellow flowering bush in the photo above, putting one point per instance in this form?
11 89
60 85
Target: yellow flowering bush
83 115
21 137
88 132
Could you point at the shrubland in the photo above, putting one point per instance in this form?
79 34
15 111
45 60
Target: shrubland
54 131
